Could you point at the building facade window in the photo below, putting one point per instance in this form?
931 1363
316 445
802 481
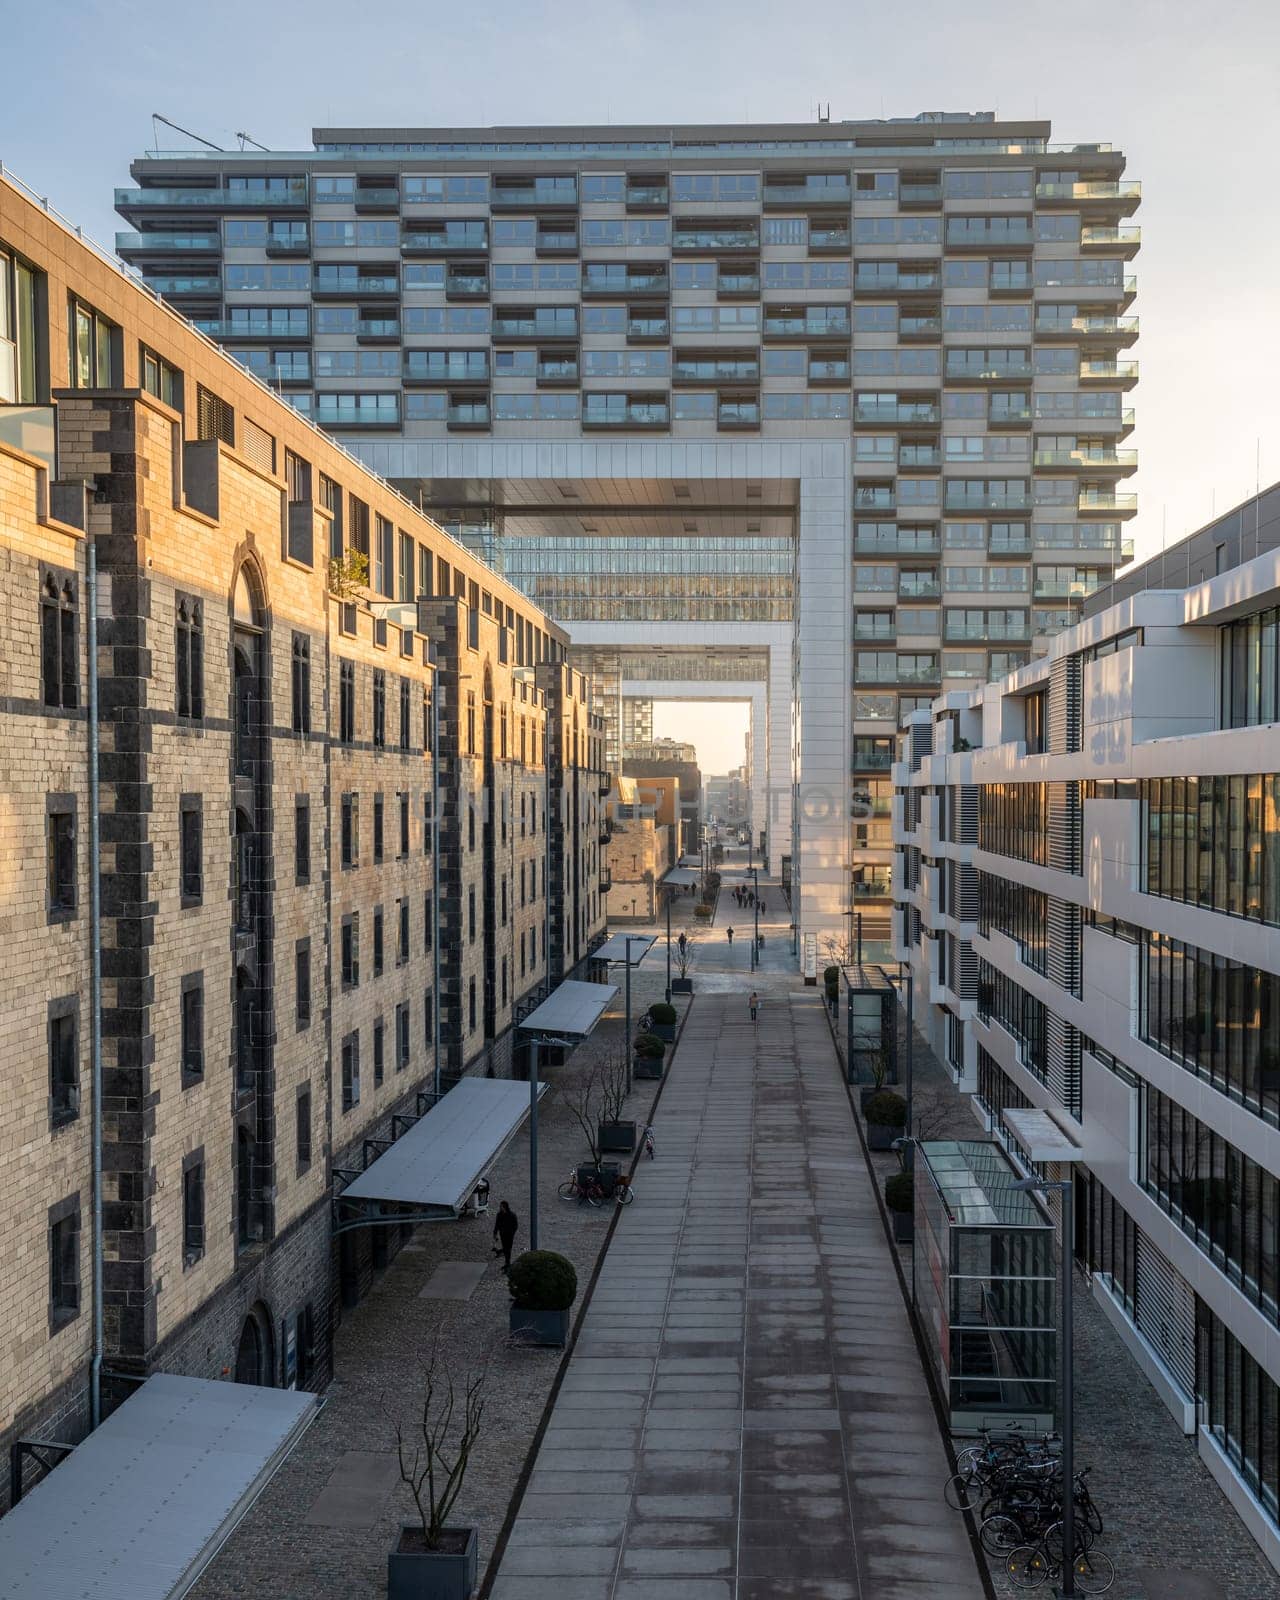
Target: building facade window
64 1060
64 1262
188 650
379 941
302 1128
59 641
403 1023
160 379
379 709
302 839
1251 670
302 983
350 1071
1240 1407
193 1207
406 712
379 1052
379 828
347 702
60 855
1017 911
402 932
95 348
191 999
350 941
23 356
1013 820
1215 842
1021 1014
403 798
190 849
301 683
350 829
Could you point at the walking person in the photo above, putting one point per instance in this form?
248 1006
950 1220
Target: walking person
729 931
754 1003
504 1231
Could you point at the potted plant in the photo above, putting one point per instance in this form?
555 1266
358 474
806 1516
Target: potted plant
886 1115
596 1102
878 1065
899 1196
647 1052
432 1560
543 1286
662 1021
684 955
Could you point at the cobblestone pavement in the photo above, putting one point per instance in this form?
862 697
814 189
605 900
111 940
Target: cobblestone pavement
744 1416
1167 1522
276 1552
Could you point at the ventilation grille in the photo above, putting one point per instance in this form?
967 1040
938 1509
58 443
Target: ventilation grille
1064 706
1063 805
258 446
920 743
1062 1062
214 417
1166 1313
968 814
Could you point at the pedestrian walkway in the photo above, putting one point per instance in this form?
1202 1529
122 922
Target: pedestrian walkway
744 1416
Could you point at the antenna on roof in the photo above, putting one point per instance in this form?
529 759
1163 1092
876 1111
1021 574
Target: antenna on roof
199 138
245 139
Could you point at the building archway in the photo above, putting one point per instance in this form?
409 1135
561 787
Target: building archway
254 1354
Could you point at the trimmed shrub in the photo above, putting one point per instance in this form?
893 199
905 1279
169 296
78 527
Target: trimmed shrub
899 1192
662 1013
702 911
648 1044
830 976
886 1109
541 1280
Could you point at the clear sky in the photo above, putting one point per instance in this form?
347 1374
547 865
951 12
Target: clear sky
1189 90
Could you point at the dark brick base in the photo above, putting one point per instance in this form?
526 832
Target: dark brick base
62 1415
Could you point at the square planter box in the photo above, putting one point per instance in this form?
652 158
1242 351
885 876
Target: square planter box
617 1136
646 1066
881 1138
547 1328
416 1574
682 985
903 1226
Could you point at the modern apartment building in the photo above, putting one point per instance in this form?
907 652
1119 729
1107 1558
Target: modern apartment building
1087 868
824 417
286 855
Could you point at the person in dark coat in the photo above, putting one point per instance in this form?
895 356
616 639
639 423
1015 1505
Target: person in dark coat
504 1231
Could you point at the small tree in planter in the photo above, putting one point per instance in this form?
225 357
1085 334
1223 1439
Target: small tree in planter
596 1102
886 1115
899 1196
662 1021
647 1052
878 1065
703 911
543 1286
433 1561
684 956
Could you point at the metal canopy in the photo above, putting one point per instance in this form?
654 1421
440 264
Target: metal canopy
680 875
1040 1136
140 1508
442 1157
633 947
572 1007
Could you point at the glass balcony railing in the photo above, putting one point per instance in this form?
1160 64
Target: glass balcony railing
835 371
919 327
910 413
1100 500
376 198
466 236
1119 460
378 328
357 284
1009 547
1009 416
1108 371
1099 238
684 371
995 232
895 542
293 193
807 326
809 191
282 325
913 457
536 327
1090 327
828 238
920 194
871 279
715 239
648 328
129 241
979 632
466 285
967 364
470 415
647 194
348 414
738 283
1097 191
447 367
606 412
958 500
541 192
919 589
185 283
738 414
557 372
557 239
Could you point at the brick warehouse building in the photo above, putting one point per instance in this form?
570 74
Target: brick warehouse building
285 960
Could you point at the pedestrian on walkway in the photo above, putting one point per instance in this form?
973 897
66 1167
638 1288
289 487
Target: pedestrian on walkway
754 1003
682 941
504 1231
729 931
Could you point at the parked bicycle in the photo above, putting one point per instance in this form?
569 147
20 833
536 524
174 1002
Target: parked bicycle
592 1192
982 1467
1030 1565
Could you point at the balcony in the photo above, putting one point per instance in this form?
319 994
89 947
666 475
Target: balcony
871 279
715 370
833 190
445 238
995 234
796 323
919 457
339 412
615 280
916 586
647 197
281 330
1115 241
468 415
834 369
828 237
988 630
648 330
1116 505
538 194
892 541
715 237
1009 548
1009 283
447 367
1079 588
985 504
378 330
288 196
920 327
371 199
555 373
184 283
1121 197
132 244
536 325
289 243
355 285
1090 460
1009 417
618 411
738 414
556 241
466 285
905 414
1123 373
977 366
928 195
1116 330
738 285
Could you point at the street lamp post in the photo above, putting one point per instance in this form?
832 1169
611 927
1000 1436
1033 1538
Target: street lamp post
667 897
1066 1189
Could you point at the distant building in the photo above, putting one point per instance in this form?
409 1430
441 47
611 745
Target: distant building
678 763
641 848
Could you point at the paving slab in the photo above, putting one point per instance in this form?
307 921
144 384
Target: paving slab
454 1280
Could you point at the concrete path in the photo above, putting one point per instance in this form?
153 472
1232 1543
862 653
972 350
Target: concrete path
744 1416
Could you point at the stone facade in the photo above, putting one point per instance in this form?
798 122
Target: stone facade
282 944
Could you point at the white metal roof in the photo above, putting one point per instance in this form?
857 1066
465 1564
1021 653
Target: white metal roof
1040 1137
632 947
442 1157
571 1008
139 1509
680 875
